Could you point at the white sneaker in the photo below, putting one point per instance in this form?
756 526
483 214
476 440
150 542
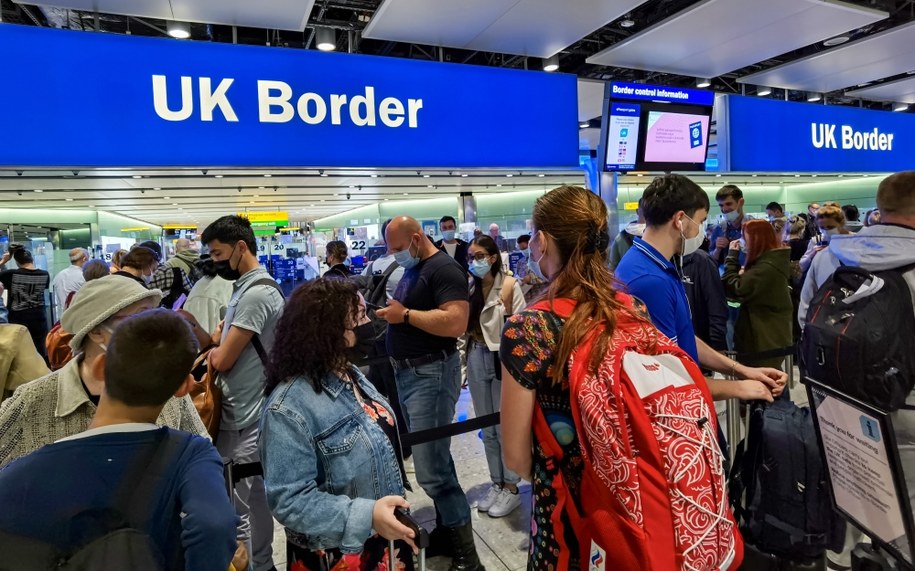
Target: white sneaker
492 495
505 504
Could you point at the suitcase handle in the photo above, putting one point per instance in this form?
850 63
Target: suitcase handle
421 536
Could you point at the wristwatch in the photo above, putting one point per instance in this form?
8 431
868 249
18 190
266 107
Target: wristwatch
406 317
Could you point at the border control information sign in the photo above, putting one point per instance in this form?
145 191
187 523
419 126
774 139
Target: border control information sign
862 459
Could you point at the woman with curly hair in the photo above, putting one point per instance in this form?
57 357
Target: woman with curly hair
328 439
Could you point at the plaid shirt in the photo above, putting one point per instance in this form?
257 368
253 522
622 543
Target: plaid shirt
164 278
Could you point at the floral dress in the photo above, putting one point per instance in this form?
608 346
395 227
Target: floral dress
375 554
529 340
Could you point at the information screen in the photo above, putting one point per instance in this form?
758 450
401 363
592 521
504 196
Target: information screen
623 136
676 137
865 472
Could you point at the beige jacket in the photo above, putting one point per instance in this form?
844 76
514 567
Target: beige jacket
56 406
19 361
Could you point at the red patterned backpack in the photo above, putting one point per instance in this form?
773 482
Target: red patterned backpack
653 493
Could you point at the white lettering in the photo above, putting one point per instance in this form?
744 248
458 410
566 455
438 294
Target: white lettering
210 100
160 99
367 101
266 101
391 111
320 108
336 102
414 106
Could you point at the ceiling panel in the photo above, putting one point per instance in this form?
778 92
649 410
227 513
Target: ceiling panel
269 14
901 91
590 99
537 28
874 57
715 37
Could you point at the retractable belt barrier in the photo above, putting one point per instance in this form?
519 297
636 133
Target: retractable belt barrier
234 473
750 358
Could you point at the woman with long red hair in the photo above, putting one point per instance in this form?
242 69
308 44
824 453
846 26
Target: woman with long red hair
762 288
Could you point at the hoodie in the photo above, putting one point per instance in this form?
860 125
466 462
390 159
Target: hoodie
185 260
874 248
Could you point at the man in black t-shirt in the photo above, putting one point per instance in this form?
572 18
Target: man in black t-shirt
429 311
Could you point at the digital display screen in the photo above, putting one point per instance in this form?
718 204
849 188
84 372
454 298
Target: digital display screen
676 137
623 136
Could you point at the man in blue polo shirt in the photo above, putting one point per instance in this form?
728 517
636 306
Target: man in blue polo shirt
675 211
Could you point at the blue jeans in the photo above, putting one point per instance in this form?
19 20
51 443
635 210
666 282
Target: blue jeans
429 394
486 392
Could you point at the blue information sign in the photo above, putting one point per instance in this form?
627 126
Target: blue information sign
644 92
777 136
92 99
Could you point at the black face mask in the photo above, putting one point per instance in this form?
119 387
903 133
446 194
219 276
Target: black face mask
365 342
224 268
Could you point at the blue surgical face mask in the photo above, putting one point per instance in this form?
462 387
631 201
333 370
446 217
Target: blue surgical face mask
828 233
448 235
534 266
732 216
405 258
480 268
347 262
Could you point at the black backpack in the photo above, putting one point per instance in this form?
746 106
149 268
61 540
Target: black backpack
778 486
859 336
374 290
113 541
177 289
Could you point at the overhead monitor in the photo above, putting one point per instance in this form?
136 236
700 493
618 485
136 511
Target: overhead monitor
656 128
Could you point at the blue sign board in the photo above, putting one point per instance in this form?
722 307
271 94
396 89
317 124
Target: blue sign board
767 135
92 99
643 92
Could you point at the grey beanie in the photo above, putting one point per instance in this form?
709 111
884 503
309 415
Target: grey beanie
100 299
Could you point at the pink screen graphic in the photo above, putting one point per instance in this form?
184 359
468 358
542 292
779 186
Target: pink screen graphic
668 139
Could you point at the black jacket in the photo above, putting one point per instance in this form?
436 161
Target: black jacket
707 302
460 254
338 271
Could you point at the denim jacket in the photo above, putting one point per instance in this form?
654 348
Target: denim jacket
326 462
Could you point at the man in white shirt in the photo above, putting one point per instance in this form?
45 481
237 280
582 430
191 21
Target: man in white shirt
70 279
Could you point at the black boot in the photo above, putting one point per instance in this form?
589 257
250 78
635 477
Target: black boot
464 553
439 542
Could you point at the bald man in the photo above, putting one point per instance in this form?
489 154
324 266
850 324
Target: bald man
185 259
69 280
428 313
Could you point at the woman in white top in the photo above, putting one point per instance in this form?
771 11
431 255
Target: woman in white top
494 296
209 297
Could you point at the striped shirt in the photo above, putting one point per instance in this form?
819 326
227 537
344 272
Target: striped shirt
26 288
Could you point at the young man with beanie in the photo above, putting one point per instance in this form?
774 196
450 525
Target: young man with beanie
63 403
70 279
244 340
125 469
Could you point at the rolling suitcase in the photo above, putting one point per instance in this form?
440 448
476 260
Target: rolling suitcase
421 539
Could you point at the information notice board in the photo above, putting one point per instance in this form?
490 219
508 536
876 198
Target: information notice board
866 477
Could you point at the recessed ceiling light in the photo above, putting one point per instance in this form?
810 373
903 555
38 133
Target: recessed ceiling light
406 194
175 204
352 186
717 176
268 175
260 188
323 173
541 175
763 91
797 176
627 22
428 186
551 63
137 176
69 200
257 196
91 206
509 175
373 175
584 124
464 175
157 188
900 107
326 39
166 197
252 202
499 185
178 30
38 190
813 97
703 82
813 176
836 41
217 176
426 175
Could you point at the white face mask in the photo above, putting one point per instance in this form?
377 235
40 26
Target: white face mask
690 245
732 216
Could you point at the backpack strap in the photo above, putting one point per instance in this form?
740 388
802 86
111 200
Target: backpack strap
255 340
508 294
177 282
383 281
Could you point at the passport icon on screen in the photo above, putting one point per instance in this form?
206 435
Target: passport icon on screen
624 132
695 135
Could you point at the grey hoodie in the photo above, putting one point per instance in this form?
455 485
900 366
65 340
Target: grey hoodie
875 248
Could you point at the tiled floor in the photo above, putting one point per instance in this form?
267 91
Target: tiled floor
501 543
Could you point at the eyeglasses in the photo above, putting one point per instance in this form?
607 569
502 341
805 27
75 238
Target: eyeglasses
480 257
